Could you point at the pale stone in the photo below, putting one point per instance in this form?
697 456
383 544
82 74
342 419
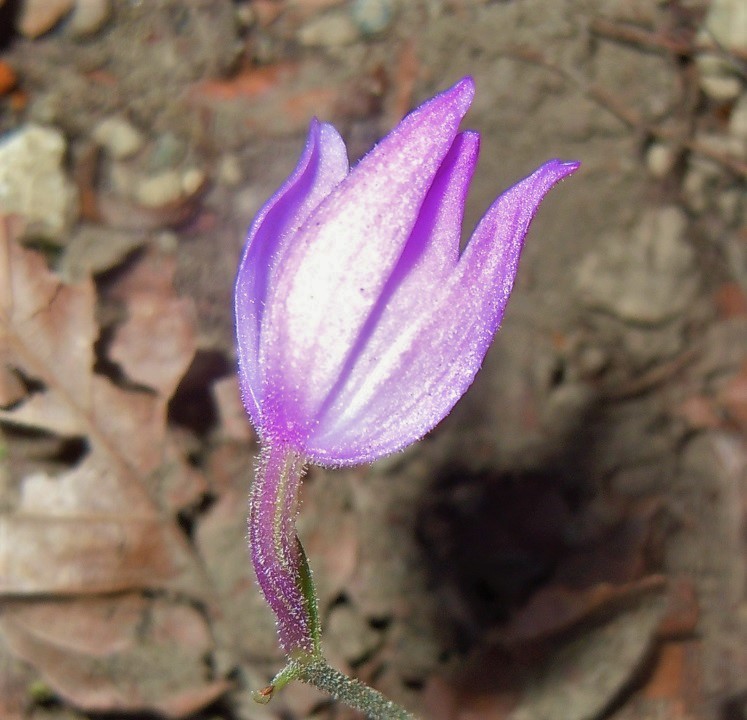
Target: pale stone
118 137
329 30
373 16
159 190
89 17
229 171
725 26
32 181
721 87
192 180
646 278
660 159
40 16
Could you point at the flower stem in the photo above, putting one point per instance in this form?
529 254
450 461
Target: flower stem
285 579
279 561
352 692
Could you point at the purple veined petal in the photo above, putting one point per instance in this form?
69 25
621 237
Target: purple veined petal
416 368
323 165
428 259
333 275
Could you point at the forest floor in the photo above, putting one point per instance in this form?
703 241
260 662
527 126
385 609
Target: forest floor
569 544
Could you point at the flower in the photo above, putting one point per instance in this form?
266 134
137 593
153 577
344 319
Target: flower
359 322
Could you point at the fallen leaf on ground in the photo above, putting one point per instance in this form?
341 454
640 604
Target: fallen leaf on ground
85 531
122 653
586 675
555 608
106 524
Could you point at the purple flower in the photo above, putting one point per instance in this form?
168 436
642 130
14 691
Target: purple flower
359 322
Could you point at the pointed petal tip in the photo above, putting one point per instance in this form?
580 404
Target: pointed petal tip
553 171
315 127
463 91
564 167
466 84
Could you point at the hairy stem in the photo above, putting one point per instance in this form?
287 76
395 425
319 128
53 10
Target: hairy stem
285 580
352 693
279 561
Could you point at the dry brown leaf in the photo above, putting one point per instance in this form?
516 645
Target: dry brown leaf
94 528
588 673
97 533
15 679
97 527
47 331
11 387
555 608
122 653
153 273
596 577
233 420
157 343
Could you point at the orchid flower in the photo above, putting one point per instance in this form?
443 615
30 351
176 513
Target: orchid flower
360 323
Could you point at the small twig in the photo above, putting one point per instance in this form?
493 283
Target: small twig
658 41
652 378
630 117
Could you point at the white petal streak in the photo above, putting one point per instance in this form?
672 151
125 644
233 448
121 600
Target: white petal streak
422 364
332 277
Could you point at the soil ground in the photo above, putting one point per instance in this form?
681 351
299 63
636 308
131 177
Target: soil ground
570 542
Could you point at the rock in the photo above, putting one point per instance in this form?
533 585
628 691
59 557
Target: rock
33 184
168 152
725 26
332 29
158 189
647 278
660 159
229 170
192 180
88 17
161 189
118 137
372 16
718 86
720 144
40 16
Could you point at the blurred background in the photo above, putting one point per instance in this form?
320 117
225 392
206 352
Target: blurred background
568 544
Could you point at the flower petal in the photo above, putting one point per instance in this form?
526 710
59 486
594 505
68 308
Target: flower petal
323 165
416 368
429 257
336 270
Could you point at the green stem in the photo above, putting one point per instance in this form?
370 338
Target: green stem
351 692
